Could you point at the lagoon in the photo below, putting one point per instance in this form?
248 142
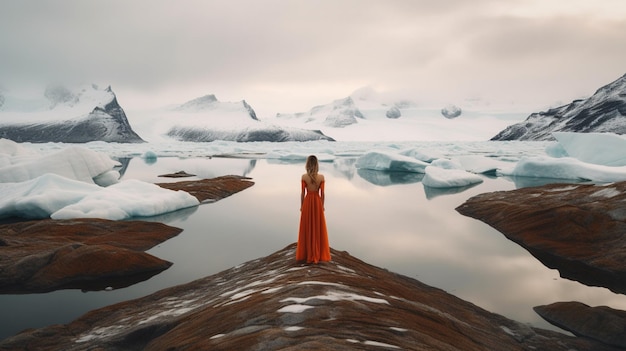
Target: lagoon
385 219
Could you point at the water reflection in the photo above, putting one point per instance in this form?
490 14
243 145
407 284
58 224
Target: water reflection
432 193
388 220
384 178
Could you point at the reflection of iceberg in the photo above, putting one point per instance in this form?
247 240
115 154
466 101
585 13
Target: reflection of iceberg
170 217
344 167
383 178
249 168
432 193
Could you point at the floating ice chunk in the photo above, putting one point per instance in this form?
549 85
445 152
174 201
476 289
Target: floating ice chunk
449 178
607 149
482 165
130 198
74 163
419 154
387 161
565 168
42 196
446 163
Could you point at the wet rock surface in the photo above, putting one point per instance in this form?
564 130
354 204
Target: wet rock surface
89 254
600 323
210 190
273 303
578 229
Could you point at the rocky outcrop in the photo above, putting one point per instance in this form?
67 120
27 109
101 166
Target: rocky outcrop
605 111
88 254
274 303
601 323
210 190
578 229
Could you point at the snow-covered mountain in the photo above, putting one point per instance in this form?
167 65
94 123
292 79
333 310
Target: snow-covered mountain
207 119
61 114
605 111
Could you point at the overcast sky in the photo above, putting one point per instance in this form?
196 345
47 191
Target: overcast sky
287 56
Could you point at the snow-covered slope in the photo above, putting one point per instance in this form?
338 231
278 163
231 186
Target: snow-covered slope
62 115
605 111
367 115
206 119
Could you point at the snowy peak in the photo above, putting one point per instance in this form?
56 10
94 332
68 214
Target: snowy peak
364 103
210 104
198 104
67 115
605 111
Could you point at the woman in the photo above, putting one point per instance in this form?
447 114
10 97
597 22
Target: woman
312 238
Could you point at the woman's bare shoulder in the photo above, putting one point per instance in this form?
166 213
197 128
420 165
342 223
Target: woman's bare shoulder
320 177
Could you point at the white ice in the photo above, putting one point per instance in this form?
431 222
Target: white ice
126 199
437 177
598 148
73 162
564 168
387 161
76 182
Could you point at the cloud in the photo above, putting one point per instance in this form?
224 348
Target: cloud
313 52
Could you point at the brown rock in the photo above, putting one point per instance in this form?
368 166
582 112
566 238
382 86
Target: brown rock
273 303
45 255
600 323
578 229
210 190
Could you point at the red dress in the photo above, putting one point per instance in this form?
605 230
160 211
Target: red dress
312 238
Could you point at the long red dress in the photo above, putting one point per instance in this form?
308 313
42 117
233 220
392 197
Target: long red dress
312 238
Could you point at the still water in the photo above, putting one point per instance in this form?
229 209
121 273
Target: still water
386 219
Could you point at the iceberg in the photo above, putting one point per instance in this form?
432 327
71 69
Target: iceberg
57 197
437 177
607 149
564 168
40 197
388 161
76 163
127 199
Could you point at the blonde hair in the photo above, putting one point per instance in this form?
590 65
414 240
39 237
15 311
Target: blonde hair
312 167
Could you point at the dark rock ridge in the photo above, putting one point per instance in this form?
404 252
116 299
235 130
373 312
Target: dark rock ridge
88 254
103 123
605 111
578 229
270 133
599 323
272 303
